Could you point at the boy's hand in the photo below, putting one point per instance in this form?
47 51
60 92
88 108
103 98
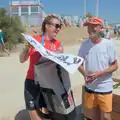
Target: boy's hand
89 78
97 74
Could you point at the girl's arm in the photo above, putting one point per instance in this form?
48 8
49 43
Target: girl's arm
24 55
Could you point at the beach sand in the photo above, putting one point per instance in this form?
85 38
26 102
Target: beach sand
12 75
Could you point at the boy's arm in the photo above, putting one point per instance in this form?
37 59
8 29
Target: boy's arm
110 69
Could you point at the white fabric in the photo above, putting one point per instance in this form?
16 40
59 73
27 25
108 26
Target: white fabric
67 61
97 58
47 76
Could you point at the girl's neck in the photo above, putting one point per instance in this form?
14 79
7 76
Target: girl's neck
48 37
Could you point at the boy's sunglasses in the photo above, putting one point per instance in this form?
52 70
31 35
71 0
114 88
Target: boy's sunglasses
57 25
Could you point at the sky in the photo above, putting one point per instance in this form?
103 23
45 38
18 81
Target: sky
108 9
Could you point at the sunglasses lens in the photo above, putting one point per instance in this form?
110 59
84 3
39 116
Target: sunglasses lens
58 26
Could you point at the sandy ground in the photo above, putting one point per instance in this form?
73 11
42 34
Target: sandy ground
12 75
67 35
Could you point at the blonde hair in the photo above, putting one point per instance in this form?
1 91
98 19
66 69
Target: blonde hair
48 20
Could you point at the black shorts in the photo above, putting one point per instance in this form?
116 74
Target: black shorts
33 97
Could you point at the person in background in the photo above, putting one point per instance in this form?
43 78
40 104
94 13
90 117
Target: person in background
33 98
115 31
107 35
118 35
100 61
2 44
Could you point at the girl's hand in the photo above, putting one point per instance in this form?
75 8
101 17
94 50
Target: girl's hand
60 49
27 45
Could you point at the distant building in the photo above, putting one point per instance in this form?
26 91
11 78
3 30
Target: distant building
75 20
72 20
117 25
30 12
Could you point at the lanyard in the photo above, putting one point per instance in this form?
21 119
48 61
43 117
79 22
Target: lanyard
51 44
43 41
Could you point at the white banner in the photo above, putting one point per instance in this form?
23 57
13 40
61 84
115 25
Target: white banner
67 61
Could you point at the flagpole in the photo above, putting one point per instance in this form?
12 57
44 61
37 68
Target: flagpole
97 8
84 8
10 8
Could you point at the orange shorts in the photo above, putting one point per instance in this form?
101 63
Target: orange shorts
103 101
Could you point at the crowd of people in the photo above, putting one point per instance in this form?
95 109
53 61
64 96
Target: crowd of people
100 61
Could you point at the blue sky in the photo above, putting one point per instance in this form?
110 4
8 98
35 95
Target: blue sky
108 9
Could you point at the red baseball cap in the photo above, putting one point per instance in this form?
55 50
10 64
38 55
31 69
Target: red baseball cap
94 21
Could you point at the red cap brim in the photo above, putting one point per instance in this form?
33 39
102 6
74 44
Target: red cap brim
92 23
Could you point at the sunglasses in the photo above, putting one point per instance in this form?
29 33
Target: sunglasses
57 25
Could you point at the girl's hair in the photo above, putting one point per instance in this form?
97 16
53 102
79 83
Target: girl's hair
48 20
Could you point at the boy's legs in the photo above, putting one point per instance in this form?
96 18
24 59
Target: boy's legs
91 110
105 104
7 51
0 48
97 106
92 114
105 116
4 48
